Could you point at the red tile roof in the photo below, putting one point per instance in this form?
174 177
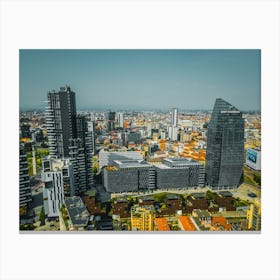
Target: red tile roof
161 224
187 223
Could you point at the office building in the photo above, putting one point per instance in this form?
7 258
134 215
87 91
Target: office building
225 146
128 175
132 175
61 121
179 173
25 196
142 217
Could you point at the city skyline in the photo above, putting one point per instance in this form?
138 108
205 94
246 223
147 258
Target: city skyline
142 79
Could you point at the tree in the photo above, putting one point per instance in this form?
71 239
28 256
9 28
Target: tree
257 178
42 216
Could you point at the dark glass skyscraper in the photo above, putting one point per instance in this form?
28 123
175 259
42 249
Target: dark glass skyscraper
225 146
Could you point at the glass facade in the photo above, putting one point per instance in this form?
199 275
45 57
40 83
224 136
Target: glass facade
225 146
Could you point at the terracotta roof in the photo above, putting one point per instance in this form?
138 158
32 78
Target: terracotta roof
161 224
221 221
187 223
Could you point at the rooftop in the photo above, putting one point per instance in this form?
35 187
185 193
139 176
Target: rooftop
172 196
187 223
225 193
202 213
161 224
198 195
77 210
131 163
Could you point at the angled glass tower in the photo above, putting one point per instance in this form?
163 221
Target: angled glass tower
225 146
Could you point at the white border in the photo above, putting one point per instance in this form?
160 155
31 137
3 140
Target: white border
124 24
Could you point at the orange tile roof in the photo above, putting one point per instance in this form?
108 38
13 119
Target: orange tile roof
221 221
187 223
161 224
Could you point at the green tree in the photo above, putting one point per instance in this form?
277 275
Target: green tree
42 215
257 178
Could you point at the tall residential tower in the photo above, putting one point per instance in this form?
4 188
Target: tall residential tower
69 137
61 120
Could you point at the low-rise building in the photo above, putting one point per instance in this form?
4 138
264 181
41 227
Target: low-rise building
185 223
142 217
161 224
78 213
220 223
254 216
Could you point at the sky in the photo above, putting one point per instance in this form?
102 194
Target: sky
142 79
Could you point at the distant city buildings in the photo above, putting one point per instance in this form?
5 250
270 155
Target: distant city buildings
225 146
173 129
151 168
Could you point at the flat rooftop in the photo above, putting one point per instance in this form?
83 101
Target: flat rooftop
225 194
131 163
180 161
77 210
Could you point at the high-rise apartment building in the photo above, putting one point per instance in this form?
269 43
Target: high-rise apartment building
174 117
69 137
61 121
120 119
85 135
25 196
111 117
91 129
173 128
225 146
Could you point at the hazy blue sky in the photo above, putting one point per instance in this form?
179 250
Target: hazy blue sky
187 79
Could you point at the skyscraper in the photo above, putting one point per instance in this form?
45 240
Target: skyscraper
225 146
69 136
120 119
61 120
173 129
174 117
85 135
